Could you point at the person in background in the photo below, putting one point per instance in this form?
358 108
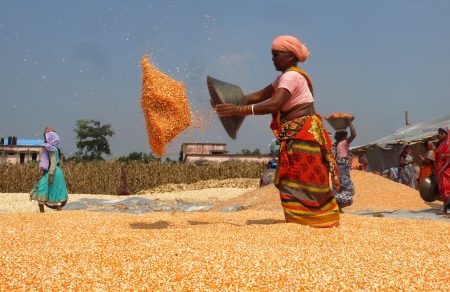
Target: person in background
341 147
268 176
442 167
363 162
426 168
51 189
123 185
407 172
355 164
305 157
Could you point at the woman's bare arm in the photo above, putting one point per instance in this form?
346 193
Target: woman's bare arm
261 95
352 132
267 106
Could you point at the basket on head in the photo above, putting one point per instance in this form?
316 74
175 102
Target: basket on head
339 122
224 92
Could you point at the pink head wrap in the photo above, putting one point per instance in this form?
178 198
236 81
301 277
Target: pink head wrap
291 44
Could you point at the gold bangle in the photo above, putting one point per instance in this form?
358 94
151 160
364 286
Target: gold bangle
244 110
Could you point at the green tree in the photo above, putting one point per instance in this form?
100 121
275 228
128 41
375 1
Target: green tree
256 152
246 152
92 139
170 161
139 156
249 152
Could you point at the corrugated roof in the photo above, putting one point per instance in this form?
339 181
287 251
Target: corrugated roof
412 133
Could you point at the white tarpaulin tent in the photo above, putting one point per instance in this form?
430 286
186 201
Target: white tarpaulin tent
415 133
384 153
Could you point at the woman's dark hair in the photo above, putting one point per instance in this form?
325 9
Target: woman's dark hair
407 146
339 136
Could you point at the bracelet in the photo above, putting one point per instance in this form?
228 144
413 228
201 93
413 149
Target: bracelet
253 111
244 110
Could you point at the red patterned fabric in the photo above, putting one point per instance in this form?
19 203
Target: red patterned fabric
302 177
442 168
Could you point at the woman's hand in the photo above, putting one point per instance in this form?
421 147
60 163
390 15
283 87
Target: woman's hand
50 179
226 110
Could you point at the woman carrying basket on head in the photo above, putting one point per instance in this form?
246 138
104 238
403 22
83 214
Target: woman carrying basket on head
306 157
341 149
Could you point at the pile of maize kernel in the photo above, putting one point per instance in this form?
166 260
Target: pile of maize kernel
372 192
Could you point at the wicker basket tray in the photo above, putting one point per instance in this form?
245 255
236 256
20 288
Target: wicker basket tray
339 122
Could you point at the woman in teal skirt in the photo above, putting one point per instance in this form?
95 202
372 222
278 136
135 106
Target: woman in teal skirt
51 189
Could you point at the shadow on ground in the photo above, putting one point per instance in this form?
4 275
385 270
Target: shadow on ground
154 225
425 214
264 221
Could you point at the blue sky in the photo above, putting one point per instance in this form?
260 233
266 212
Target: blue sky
62 61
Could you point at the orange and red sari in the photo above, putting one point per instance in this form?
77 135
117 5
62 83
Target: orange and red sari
302 176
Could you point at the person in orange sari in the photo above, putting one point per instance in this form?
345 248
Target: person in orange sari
442 168
305 157
426 169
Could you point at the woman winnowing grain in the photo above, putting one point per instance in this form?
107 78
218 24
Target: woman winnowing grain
306 156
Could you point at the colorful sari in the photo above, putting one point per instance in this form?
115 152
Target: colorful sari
442 169
344 197
304 164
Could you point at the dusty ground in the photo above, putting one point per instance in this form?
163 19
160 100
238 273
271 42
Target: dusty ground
248 250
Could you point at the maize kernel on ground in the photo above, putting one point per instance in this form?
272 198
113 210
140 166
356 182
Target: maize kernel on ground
248 250
372 192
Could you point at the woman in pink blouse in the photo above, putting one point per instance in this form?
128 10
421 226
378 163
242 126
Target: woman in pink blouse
341 147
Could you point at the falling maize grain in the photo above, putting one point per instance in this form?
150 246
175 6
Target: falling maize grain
165 106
